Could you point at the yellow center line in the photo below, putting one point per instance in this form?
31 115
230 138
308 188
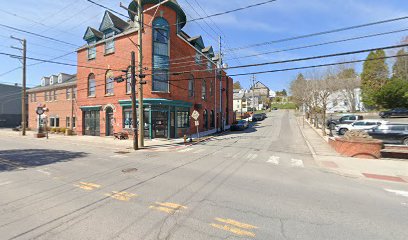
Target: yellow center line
121 196
87 186
163 209
234 230
171 205
236 223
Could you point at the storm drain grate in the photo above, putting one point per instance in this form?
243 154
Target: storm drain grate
129 170
121 152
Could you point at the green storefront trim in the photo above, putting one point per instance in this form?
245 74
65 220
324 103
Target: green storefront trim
166 105
91 108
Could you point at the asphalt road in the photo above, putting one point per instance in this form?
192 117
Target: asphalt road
258 184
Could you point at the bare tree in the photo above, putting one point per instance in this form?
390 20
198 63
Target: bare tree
348 83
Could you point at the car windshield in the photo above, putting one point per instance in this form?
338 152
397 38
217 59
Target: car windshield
241 122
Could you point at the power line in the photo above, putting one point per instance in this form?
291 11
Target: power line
110 9
319 33
300 59
326 43
54 62
231 11
37 35
316 66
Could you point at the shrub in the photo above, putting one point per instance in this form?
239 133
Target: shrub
62 130
53 130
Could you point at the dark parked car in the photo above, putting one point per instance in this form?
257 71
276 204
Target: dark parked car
264 115
396 112
240 125
274 108
257 117
394 133
346 119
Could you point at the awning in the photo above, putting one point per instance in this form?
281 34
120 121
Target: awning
91 108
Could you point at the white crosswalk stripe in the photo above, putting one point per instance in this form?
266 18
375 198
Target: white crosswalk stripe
296 163
398 192
273 160
252 156
185 150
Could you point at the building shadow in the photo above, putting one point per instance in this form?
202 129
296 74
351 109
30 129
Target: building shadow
19 159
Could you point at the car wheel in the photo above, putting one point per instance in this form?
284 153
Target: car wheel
405 142
343 131
385 116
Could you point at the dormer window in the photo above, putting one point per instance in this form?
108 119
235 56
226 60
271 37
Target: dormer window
92 49
51 80
43 82
110 42
60 78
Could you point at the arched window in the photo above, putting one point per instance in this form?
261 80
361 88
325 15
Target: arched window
211 88
91 85
191 86
204 89
205 119
109 80
161 54
212 119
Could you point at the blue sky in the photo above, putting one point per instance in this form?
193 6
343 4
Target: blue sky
67 20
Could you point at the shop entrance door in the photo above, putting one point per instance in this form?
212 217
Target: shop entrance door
109 121
91 123
160 124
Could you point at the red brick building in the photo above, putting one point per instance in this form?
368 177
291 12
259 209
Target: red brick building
57 94
181 77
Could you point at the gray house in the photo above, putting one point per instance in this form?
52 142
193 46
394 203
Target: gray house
10 105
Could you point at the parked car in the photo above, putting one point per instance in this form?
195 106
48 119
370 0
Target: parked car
359 125
346 119
393 133
240 125
396 112
257 117
274 108
264 115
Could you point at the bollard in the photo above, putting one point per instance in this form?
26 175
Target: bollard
185 138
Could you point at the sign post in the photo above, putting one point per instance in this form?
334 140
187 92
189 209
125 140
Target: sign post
195 116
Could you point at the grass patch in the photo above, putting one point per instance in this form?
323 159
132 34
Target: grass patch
284 105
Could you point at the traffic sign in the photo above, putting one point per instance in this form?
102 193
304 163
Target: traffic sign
197 123
40 110
195 115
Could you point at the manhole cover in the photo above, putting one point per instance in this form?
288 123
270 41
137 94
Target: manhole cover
121 152
129 170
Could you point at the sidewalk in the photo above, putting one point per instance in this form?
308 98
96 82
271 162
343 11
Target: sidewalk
328 158
101 141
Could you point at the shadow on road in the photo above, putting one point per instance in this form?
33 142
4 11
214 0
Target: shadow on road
26 158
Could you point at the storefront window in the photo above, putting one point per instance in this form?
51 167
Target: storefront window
183 119
127 118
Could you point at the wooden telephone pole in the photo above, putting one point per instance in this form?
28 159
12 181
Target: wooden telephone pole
23 92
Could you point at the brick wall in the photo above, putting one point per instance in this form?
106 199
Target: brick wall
359 149
120 60
61 107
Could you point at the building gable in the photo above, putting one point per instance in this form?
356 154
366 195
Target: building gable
111 21
92 33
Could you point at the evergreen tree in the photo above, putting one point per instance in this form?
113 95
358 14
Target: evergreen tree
400 68
237 85
393 94
373 77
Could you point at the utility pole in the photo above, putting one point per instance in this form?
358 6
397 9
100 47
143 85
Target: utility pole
141 76
133 94
24 93
220 77
253 95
